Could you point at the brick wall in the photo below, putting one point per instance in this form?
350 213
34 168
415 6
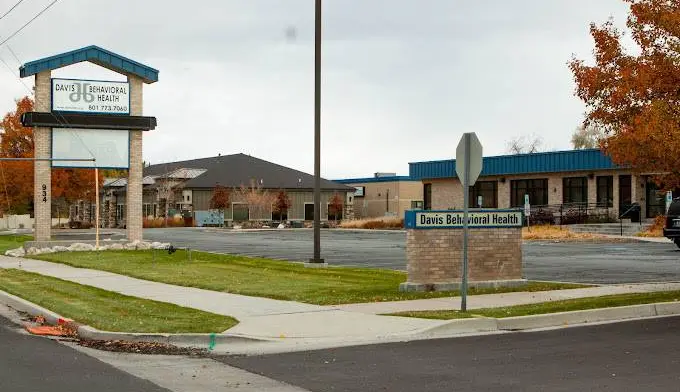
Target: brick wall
42 138
435 256
134 189
448 193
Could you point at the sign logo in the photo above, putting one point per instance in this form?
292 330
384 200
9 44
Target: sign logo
90 96
81 93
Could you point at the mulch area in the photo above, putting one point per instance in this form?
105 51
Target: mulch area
67 330
150 348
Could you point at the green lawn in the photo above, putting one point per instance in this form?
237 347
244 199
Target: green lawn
109 311
12 241
609 301
262 277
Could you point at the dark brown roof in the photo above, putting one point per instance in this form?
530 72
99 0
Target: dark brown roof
240 169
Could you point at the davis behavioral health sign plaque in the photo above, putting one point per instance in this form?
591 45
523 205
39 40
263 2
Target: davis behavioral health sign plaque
434 241
90 96
455 219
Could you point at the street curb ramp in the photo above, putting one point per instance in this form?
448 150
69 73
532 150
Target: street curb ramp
195 340
574 318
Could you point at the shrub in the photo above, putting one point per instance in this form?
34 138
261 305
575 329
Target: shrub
374 223
542 217
656 229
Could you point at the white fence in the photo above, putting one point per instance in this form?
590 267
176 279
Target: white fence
11 222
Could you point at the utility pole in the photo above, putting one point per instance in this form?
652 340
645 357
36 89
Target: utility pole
317 134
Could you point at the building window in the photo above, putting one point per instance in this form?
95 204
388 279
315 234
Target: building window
537 189
240 212
488 190
148 210
120 212
605 191
427 194
334 215
279 216
416 204
309 211
575 190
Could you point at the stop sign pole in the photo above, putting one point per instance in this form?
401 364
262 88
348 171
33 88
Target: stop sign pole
468 168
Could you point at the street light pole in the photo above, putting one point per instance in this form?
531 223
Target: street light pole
317 133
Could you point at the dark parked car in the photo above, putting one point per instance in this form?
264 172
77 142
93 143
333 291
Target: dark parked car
672 228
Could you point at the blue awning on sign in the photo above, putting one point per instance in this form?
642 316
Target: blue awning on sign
95 55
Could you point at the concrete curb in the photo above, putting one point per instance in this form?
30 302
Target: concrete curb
197 340
579 317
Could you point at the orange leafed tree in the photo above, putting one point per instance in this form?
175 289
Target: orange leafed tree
282 204
635 98
16 178
335 206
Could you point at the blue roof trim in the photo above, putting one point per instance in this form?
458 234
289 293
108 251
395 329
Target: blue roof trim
375 179
546 162
93 54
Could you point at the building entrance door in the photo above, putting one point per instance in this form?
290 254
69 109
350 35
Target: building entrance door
626 199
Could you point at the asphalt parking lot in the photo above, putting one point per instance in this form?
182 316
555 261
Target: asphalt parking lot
614 262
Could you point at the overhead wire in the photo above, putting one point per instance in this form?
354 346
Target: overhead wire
29 22
57 116
11 9
14 54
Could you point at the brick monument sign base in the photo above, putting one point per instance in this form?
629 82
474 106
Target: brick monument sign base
434 249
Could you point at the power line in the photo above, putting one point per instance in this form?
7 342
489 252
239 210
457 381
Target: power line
12 71
14 54
19 77
11 9
63 120
28 23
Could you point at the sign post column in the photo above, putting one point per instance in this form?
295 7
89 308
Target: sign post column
42 178
468 168
134 187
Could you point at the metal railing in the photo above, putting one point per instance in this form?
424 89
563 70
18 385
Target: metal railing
635 207
572 213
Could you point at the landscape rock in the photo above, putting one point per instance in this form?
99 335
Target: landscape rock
60 249
18 252
116 247
160 245
80 247
281 226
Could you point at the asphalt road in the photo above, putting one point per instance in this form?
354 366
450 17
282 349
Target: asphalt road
35 364
572 262
631 356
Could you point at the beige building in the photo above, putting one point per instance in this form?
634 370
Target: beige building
578 185
186 188
385 194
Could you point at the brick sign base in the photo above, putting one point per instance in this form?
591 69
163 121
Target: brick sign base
435 258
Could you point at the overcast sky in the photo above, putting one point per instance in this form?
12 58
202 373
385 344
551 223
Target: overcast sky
403 79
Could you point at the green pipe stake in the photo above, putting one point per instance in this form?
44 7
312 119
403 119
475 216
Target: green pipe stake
211 346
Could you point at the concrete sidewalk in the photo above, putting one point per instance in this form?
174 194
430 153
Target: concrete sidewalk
297 325
506 299
258 317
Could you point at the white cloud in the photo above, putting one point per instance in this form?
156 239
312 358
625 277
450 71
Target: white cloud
402 79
